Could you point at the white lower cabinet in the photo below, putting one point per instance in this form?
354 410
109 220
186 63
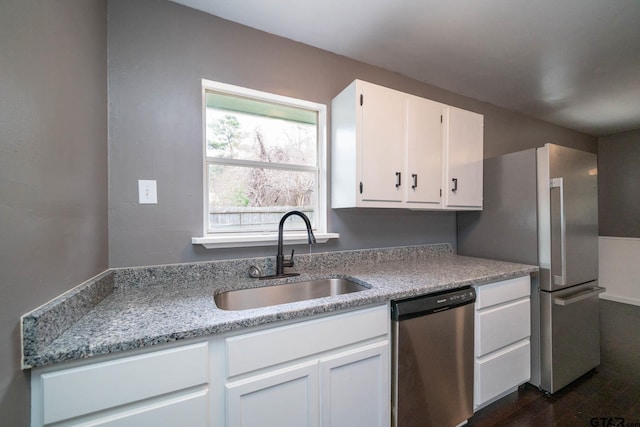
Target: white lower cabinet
500 372
345 390
188 410
355 387
151 389
332 371
285 397
502 339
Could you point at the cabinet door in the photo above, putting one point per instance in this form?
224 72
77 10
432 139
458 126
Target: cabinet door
286 397
355 388
383 142
463 159
424 151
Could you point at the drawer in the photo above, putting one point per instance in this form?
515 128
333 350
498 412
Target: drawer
501 371
189 410
502 325
78 391
257 350
500 292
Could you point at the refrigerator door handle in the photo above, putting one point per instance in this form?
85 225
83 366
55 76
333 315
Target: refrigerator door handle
561 280
579 296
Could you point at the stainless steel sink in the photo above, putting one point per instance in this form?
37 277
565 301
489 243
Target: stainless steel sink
243 299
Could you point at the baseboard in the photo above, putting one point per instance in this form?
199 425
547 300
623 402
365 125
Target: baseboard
620 299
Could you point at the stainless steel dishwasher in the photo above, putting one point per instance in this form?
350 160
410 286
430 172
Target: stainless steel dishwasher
432 359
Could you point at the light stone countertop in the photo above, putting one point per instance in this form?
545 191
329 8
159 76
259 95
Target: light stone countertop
145 306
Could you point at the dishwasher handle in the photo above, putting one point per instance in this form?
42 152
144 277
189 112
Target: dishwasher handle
579 296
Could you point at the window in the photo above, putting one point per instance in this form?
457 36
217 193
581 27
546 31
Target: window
264 156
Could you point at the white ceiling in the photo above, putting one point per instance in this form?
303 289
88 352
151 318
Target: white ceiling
575 63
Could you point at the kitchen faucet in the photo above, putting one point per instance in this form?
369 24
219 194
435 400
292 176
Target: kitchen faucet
281 263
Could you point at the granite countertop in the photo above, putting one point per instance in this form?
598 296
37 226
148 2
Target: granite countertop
125 309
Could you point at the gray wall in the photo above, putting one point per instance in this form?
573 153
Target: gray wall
53 145
158 54
53 166
619 184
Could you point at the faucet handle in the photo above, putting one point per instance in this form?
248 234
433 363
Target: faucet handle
289 262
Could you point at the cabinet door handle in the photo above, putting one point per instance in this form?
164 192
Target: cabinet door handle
455 184
398 179
415 180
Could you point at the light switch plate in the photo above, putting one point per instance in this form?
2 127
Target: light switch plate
147 192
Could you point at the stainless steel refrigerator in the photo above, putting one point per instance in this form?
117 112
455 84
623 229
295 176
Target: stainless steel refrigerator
540 207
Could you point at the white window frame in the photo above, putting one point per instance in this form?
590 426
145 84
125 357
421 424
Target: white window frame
247 239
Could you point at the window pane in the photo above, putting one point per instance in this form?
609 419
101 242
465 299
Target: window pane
245 199
279 134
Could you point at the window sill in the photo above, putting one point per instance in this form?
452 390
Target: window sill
248 240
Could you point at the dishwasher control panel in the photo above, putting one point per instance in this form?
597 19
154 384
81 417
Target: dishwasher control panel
431 303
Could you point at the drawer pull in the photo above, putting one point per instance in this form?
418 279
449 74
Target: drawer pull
579 296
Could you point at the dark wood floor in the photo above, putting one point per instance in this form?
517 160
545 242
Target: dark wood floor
606 396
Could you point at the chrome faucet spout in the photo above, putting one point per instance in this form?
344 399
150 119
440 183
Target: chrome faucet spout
281 263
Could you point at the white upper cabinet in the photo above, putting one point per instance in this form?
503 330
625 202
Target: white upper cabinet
463 159
424 152
392 149
382 123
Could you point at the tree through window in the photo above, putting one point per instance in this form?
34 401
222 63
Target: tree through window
262 160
